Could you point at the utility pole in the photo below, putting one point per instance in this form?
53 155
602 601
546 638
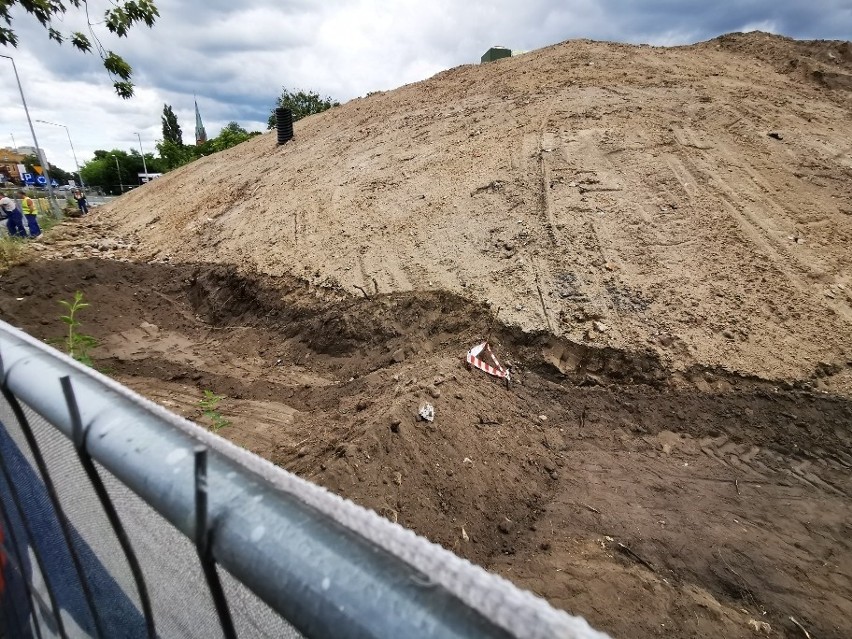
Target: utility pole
53 205
144 166
118 168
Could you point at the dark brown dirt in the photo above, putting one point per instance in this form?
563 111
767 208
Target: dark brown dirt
686 504
691 200
666 233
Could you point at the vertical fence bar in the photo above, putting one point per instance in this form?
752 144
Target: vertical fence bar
203 536
16 549
80 434
16 500
7 527
7 589
25 523
57 506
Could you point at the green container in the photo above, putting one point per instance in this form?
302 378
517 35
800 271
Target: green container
495 53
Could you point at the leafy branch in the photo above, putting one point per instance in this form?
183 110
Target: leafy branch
301 104
119 19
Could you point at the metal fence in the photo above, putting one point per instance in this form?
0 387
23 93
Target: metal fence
121 519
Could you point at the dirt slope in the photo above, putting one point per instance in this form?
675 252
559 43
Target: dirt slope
651 506
633 186
674 292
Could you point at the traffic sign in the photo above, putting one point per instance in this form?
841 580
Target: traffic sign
54 183
41 179
28 178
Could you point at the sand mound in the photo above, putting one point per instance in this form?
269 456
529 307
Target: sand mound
693 201
826 62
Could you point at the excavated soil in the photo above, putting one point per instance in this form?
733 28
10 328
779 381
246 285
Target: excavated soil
694 200
655 240
650 500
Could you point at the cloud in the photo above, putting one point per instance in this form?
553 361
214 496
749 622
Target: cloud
236 56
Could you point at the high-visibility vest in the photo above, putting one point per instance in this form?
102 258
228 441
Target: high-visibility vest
28 206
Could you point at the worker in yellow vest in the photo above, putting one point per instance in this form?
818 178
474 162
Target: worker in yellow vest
31 213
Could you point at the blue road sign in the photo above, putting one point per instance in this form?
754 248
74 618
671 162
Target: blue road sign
28 178
54 183
41 179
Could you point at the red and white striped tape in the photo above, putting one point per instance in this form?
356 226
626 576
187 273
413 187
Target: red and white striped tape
473 359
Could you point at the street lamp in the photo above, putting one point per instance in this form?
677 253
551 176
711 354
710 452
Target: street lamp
41 157
118 168
144 166
76 163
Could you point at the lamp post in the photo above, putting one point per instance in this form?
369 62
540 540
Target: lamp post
144 166
76 163
118 168
41 157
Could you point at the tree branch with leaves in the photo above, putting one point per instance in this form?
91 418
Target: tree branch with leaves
301 103
119 19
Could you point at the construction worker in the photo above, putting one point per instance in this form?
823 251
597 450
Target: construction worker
81 202
31 213
14 221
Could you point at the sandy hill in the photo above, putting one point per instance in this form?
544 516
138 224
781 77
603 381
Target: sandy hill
694 200
685 206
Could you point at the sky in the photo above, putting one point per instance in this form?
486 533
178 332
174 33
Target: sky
235 56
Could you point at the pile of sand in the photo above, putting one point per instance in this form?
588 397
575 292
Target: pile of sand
663 213
695 200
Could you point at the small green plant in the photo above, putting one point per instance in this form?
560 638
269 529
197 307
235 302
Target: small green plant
11 251
47 221
77 344
208 405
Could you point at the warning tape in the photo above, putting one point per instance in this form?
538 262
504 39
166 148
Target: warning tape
473 359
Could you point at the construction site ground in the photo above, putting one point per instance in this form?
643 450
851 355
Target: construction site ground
656 241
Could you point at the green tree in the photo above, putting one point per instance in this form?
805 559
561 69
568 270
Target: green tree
101 171
62 176
203 149
301 103
119 19
173 154
171 128
97 173
231 135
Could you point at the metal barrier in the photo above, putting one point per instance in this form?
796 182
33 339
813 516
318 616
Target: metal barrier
121 519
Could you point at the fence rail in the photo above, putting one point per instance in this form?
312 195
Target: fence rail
123 519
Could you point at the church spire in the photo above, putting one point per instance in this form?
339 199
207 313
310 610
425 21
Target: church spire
200 133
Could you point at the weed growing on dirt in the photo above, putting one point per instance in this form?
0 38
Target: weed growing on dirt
208 405
77 344
11 250
48 221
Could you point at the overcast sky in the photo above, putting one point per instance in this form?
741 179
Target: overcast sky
235 55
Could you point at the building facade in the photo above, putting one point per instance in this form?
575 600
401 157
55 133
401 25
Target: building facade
31 150
9 161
